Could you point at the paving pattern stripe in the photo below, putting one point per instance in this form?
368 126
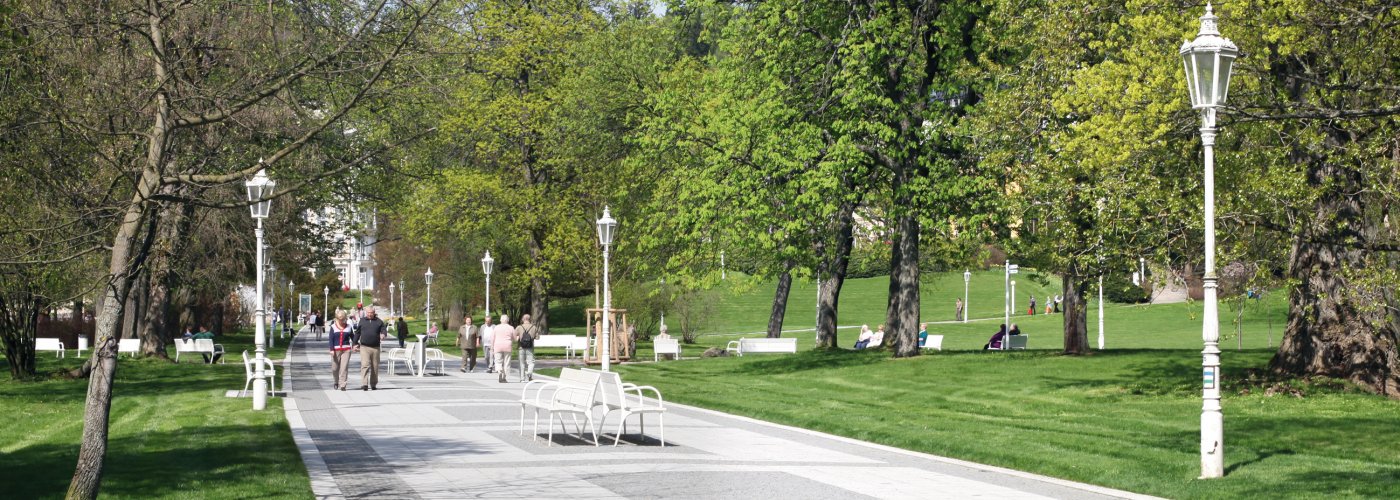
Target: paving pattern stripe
359 472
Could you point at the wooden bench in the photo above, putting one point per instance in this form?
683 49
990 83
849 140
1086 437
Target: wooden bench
1016 342
565 342
628 399
50 345
761 345
129 346
933 342
666 346
575 393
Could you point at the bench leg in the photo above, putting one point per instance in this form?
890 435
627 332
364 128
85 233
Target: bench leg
661 419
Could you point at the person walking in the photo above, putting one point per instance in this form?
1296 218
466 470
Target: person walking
372 331
526 335
958 310
487 333
1031 311
502 341
468 339
342 342
401 331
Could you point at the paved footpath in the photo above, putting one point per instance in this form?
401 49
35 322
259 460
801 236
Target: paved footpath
456 436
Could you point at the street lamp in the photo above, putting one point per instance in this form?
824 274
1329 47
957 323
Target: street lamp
403 294
1006 301
486 264
422 347
291 291
359 283
967 281
1207 61
260 190
1101 309
326 302
606 227
391 298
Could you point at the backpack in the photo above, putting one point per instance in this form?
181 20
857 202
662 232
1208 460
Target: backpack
528 339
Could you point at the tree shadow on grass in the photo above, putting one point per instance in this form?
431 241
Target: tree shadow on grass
817 359
237 460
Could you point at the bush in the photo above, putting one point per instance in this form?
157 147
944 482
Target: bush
1120 288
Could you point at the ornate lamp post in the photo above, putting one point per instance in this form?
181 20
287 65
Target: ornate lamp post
391 298
428 278
967 281
422 347
606 227
326 302
1207 61
486 264
291 297
403 294
260 190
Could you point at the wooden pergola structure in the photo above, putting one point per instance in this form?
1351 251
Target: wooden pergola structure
619 336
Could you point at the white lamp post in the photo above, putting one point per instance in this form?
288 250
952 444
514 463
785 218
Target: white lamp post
722 268
292 298
1207 61
606 227
1006 301
325 303
359 280
1100 312
428 278
486 264
403 292
967 281
260 190
391 298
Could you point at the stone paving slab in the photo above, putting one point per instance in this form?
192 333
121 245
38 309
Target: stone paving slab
458 435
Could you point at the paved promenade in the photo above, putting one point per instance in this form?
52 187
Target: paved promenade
456 436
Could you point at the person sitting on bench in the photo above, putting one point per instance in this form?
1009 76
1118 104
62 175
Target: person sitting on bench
997 339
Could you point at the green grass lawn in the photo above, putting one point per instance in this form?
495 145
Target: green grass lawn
173 433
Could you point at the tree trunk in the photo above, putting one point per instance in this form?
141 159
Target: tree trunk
780 300
1337 327
836 263
455 314
539 291
902 312
1076 313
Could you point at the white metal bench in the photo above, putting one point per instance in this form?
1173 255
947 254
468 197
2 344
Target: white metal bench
563 341
435 354
763 344
1016 342
129 346
408 356
934 342
200 346
575 393
628 399
577 346
251 372
666 346
82 344
50 345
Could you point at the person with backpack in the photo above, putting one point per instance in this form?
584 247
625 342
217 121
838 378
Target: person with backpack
528 333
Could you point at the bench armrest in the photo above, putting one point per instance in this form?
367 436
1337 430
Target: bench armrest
637 390
732 346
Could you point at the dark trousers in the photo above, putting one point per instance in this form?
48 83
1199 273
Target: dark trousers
469 358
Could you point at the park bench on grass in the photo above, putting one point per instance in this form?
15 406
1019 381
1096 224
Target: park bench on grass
201 346
1017 342
934 342
628 399
129 346
50 345
562 341
82 344
762 344
251 372
577 345
666 346
575 393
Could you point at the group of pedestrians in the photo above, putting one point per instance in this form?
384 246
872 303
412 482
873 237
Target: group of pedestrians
499 341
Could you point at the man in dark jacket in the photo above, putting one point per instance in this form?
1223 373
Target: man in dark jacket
401 330
369 333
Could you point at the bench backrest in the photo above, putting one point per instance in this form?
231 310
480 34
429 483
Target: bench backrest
1016 341
183 345
204 345
579 343
585 385
768 345
555 340
610 391
934 342
667 346
47 345
129 345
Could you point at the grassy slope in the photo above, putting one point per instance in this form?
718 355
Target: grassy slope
173 433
